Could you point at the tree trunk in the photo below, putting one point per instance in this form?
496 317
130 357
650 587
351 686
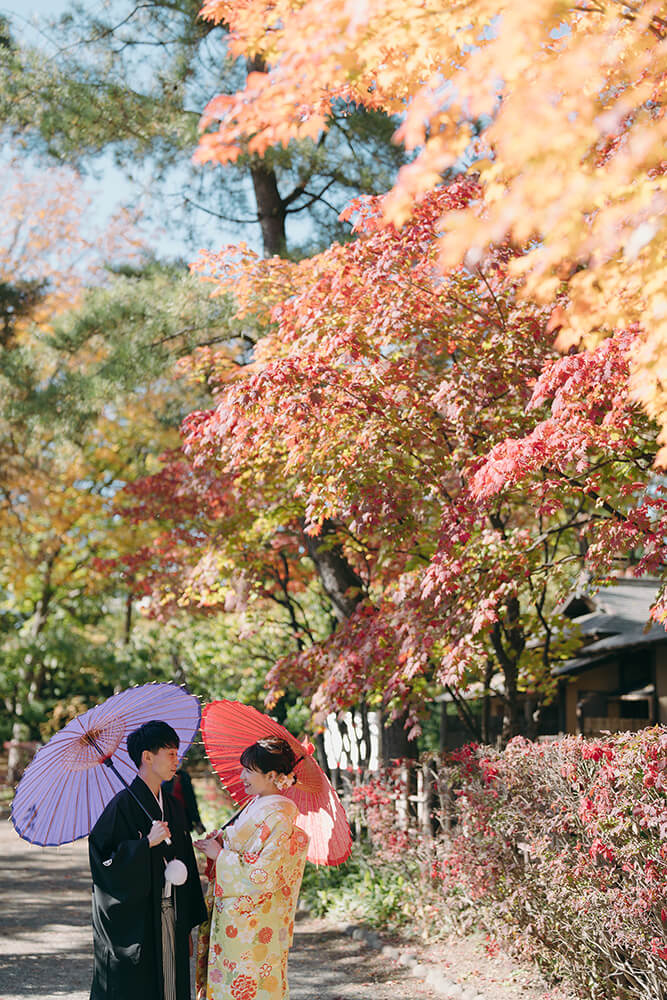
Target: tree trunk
321 754
511 713
364 760
486 702
509 661
464 713
345 589
271 208
31 682
127 630
340 582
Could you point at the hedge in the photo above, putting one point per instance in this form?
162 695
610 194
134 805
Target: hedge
559 849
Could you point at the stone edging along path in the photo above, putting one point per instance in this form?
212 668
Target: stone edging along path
433 976
46 948
461 968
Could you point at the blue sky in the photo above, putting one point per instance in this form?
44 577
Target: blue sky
108 184
12 8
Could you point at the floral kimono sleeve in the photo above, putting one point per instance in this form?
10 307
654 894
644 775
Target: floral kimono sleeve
257 878
255 872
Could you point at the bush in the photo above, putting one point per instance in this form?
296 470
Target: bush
359 890
215 805
558 848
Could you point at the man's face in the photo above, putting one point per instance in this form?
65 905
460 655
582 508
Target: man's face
163 763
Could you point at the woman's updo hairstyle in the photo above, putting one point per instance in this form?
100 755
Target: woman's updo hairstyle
270 754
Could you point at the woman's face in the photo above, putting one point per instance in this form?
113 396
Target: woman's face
258 783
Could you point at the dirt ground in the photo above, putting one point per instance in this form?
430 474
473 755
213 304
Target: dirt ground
45 944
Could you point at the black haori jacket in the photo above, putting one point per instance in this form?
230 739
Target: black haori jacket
128 878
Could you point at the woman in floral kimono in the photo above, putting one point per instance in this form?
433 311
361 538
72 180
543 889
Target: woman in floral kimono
256 866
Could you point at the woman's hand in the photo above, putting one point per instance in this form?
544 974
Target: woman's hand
208 846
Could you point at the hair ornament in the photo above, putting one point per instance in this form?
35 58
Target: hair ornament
284 781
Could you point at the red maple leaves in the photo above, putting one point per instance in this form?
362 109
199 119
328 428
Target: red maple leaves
464 470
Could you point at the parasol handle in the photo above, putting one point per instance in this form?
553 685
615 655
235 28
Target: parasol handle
107 761
232 818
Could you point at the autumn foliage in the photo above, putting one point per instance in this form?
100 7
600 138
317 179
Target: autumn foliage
570 102
439 424
47 239
422 423
558 849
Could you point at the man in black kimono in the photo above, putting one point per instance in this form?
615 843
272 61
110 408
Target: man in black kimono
141 931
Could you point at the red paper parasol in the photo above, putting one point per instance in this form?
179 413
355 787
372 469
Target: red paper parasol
228 727
64 789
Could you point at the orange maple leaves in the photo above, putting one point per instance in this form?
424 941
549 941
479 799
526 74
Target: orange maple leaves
45 236
572 157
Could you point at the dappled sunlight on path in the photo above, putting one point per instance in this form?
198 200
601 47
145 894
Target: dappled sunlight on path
326 964
46 942
45 938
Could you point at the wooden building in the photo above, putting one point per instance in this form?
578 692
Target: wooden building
618 680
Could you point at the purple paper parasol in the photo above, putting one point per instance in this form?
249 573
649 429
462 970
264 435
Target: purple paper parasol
67 785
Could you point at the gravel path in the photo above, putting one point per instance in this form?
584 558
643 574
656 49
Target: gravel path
45 942
46 949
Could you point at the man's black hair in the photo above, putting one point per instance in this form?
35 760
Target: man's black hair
270 754
151 736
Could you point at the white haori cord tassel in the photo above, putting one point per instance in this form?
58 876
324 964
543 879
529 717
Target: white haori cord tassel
174 874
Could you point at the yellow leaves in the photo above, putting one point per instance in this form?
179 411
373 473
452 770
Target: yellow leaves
649 372
257 284
44 238
574 150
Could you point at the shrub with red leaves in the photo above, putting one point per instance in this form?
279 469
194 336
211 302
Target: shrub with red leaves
559 849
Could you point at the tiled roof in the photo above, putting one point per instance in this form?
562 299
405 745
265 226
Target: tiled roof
620 621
